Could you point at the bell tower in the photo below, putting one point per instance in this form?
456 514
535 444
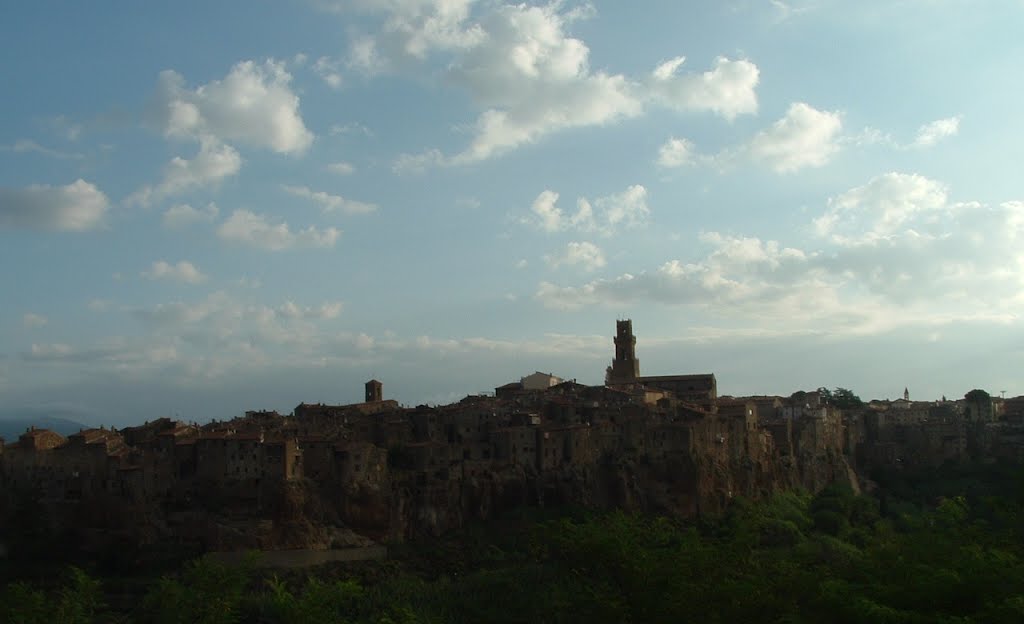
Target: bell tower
625 367
374 391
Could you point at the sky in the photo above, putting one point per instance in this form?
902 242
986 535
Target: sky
207 208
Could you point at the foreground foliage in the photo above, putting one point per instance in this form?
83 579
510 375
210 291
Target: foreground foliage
833 557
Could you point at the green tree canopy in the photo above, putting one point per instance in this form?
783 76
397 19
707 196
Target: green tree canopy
843 398
977 396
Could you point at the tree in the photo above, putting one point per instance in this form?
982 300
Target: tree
845 398
978 396
842 398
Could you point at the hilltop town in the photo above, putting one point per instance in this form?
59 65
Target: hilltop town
332 476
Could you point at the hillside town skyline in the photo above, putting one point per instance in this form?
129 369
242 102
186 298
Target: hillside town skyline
349 390
624 370
330 477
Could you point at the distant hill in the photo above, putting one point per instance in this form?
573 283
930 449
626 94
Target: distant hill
14 423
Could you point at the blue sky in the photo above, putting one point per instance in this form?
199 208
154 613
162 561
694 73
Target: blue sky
213 207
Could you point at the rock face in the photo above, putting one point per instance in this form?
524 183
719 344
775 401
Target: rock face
334 477
342 476
722 458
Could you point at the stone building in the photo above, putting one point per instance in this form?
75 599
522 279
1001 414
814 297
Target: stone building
625 368
374 391
539 381
698 389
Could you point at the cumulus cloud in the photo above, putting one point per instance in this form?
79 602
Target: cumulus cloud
255 230
117 353
328 69
32 320
418 163
222 321
44 352
214 162
728 89
28 145
882 208
804 137
75 207
737 271
350 129
625 209
931 133
585 255
548 216
605 215
328 310
531 78
411 30
183 215
675 153
341 168
253 104
330 203
894 250
182 271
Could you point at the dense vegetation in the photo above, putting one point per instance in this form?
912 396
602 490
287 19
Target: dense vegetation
937 547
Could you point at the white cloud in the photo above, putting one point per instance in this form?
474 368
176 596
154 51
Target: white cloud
67 128
253 104
180 272
585 255
548 215
350 129
605 215
328 310
530 78
330 203
252 229
328 69
341 168
533 79
893 251
675 153
411 30
785 10
418 163
728 89
183 215
43 352
738 271
222 333
625 209
214 162
869 136
931 133
364 56
74 207
804 137
32 320
881 208
28 145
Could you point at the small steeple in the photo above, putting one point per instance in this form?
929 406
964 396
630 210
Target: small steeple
906 394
